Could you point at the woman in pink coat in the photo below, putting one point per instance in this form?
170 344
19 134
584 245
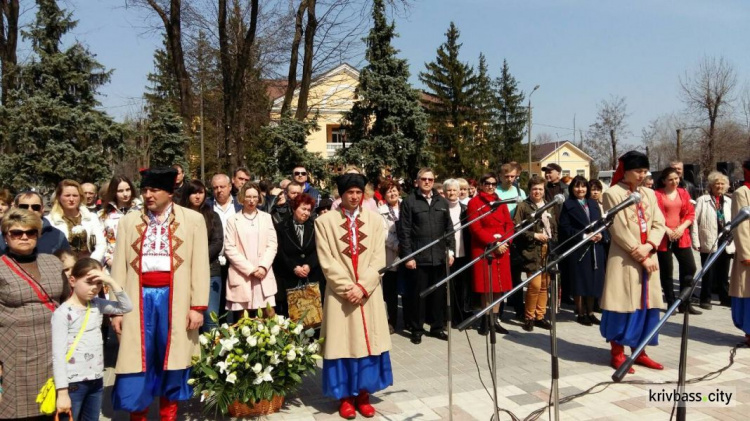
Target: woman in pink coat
250 245
494 227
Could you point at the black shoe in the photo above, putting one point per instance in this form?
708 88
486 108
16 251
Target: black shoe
594 320
693 310
706 306
528 325
583 319
439 334
499 328
543 323
416 338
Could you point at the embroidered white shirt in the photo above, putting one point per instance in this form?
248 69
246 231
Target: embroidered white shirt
353 226
156 253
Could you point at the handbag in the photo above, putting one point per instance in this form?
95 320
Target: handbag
47 397
305 304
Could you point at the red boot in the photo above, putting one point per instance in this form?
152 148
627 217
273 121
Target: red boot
618 356
646 361
139 416
167 410
346 410
363 405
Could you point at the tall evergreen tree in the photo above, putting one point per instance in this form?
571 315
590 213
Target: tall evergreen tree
512 117
485 143
386 126
452 84
51 129
164 127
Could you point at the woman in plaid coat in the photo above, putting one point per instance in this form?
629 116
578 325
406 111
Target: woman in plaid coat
31 287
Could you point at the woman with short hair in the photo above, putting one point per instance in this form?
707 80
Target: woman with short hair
250 245
5 201
83 230
389 211
31 288
462 294
713 211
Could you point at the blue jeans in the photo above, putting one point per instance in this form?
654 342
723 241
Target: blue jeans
86 399
214 303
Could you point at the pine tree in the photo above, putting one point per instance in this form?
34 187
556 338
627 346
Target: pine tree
285 146
168 142
512 117
451 82
387 127
51 129
484 143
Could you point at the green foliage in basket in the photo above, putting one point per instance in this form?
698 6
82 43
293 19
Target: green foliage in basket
254 359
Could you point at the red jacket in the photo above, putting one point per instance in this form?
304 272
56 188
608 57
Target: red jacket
687 213
483 234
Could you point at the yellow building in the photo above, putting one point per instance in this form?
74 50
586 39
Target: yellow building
331 95
565 154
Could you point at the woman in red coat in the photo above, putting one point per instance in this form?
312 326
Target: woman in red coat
495 227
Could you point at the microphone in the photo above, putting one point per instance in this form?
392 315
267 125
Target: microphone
633 199
496 204
741 217
557 200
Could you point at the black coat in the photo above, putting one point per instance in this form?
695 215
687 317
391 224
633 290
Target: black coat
422 223
585 266
291 253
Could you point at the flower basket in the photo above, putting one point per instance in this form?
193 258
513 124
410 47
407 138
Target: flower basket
247 369
264 407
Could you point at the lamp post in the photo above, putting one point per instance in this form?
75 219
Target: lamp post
531 93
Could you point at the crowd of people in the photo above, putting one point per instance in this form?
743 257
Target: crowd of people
159 264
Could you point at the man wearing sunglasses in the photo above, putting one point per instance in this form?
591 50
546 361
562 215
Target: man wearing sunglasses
424 218
52 239
301 176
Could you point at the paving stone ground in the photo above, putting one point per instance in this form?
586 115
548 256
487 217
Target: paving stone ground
420 389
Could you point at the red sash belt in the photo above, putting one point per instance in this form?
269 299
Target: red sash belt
156 279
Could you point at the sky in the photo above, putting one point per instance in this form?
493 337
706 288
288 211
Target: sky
580 52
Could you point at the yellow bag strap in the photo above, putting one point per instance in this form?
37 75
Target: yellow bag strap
80 333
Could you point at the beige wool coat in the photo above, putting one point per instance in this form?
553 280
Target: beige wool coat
190 279
739 284
352 331
623 281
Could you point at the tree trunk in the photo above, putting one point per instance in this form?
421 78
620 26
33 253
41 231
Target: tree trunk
173 28
307 61
233 78
9 10
613 141
291 84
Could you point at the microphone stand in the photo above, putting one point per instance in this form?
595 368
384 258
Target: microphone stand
685 295
448 293
553 319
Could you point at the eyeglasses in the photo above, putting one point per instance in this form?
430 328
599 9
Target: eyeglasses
300 173
489 184
426 179
35 207
16 234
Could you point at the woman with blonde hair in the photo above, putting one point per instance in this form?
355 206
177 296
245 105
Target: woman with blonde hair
712 212
82 229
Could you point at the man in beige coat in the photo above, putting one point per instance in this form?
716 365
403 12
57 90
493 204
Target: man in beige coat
351 250
632 295
739 284
161 261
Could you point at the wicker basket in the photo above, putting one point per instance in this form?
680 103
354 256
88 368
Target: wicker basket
264 407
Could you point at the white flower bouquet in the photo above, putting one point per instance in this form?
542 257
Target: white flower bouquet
254 360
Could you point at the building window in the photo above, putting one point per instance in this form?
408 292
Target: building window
582 173
566 154
335 139
566 173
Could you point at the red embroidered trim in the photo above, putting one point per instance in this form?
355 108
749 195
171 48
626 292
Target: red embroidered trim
140 301
171 294
199 308
42 297
364 291
354 255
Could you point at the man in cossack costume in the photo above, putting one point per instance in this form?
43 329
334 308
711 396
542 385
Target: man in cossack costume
351 250
161 260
